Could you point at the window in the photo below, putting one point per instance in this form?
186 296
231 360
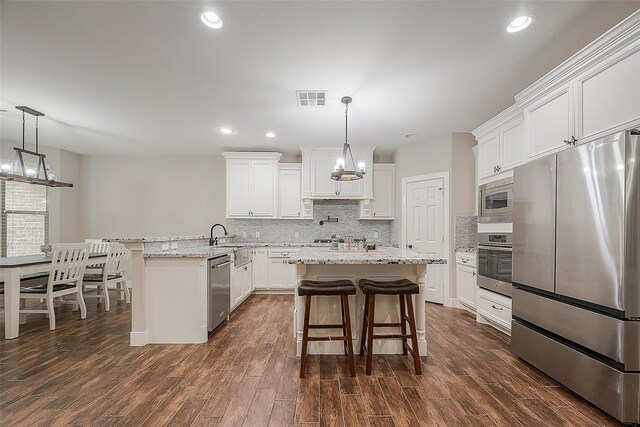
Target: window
25 218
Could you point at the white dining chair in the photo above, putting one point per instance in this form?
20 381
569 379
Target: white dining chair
68 264
112 277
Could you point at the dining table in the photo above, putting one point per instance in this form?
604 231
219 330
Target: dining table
12 269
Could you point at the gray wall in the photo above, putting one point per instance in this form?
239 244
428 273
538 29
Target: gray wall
129 196
449 152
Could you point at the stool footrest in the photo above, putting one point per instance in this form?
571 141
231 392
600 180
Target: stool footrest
392 336
387 325
327 339
325 326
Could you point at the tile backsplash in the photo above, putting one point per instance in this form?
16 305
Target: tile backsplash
466 232
283 230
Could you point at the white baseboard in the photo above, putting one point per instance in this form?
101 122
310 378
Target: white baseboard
453 302
138 339
274 292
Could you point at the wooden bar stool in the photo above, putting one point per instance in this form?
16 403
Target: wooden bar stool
404 289
341 288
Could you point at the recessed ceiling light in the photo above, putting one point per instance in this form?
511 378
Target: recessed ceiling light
226 131
270 135
211 20
410 135
520 23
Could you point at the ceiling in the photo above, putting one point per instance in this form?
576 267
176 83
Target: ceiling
119 77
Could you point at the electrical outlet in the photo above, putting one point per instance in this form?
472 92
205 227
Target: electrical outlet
174 245
375 234
244 234
296 234
257 234
165 246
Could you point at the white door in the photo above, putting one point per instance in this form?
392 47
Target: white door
425 230
383 195
263 188
277 273
321 168
549 123
489 149
247 279
466 284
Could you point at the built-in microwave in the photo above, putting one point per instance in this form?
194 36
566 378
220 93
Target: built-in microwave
495 201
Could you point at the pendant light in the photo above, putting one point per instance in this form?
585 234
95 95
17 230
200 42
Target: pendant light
29 174
340 173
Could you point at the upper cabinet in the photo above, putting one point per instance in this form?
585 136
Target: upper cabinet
593 94
252 184
549 123
382 205
500 144
608 95
317 166
291 203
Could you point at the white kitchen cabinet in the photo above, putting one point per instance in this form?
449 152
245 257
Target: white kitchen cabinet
290 187
495 310
548 123
317 166
382 205
282 275
501 149
489 155
608 95
260 269
240 284
466 281
252 184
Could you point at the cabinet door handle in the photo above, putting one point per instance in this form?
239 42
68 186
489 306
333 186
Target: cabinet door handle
571 141
494 169
245 268
473 273
497 308
374 214
498 168
464 261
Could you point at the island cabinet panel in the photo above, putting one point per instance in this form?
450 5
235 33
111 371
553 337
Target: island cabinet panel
260 269
609 96
548 123
252 184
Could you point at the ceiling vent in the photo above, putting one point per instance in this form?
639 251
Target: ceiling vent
311 98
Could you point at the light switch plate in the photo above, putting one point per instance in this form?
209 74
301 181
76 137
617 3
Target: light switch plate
257 234
244 234
165 246
296 234
174 245
375 234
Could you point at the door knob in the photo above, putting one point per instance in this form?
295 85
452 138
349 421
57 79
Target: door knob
410 246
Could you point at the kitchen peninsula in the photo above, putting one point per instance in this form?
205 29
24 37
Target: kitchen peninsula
384 263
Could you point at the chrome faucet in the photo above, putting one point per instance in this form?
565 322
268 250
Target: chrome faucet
213 241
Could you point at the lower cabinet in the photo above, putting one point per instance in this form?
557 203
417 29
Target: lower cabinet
260 271
466 281
282 275
241 284
495 310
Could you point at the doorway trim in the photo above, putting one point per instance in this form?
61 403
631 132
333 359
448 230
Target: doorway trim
447 300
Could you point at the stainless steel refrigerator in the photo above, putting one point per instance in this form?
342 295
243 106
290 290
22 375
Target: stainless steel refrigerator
576 270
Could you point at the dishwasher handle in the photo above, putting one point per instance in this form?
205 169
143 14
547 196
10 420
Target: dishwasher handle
221 265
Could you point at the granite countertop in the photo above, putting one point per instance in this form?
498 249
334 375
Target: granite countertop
283 245
199 252
383 255
155 239
471 249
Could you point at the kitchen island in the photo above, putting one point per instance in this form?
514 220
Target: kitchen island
385 263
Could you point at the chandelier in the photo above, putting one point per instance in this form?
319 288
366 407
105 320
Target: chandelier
340 173
21 172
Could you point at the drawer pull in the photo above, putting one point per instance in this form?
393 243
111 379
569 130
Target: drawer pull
497 308
464 260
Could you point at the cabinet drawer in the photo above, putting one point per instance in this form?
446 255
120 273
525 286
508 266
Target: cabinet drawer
495 308
466 258
283 253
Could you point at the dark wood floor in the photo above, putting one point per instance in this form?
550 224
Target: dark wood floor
85 373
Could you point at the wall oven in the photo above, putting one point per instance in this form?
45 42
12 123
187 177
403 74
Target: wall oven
494 262
496 201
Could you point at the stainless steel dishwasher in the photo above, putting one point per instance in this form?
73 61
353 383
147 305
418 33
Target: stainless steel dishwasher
218 291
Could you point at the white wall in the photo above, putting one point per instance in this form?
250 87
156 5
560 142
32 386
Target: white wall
137 196
449 152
